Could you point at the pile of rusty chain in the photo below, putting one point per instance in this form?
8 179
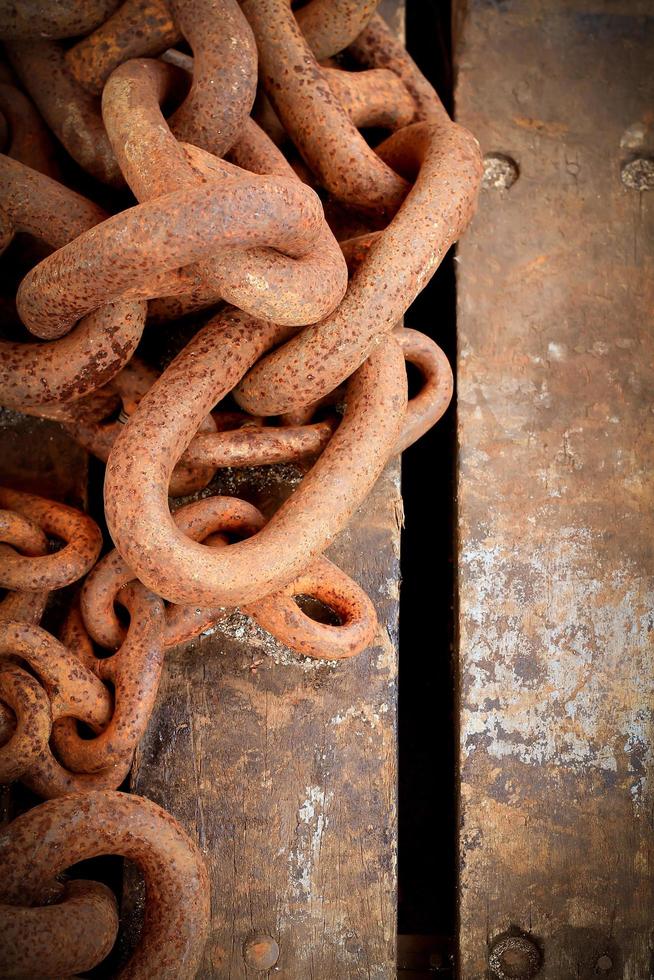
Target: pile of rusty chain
298 241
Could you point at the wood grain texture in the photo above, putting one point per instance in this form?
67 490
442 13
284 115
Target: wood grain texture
556 394
284 770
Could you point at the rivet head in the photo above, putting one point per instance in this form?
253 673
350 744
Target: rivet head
638 174
500 171
604 964
260 952
514 958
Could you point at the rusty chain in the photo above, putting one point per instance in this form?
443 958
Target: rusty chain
260 207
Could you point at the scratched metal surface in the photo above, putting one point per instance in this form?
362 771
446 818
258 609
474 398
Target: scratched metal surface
556 426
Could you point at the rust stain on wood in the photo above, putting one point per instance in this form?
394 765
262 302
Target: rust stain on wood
556 388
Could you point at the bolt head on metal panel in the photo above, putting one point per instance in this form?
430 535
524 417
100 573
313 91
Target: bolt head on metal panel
514 958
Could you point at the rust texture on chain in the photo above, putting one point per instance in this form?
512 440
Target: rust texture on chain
41 844
71 690
290 289
316 122
435 212
66 18
27 538
215 518
137 29
123 255
28 139
81 535
223 438
136 499
70 111
290 209
101 344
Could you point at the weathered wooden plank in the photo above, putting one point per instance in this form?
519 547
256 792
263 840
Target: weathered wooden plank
556 386
39 456
283 768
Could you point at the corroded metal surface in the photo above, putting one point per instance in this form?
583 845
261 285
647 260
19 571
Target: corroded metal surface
160 236
70 111
284 769
555 536
28 139
296 288
52 837
137 509
378 47
33 571
66 18
138 28
318 125
210 520
102 342
436 211
330 25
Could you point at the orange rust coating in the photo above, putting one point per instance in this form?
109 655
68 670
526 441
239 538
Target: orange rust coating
22 533
41 18
80 533
98 437
372 98
33 721
316 122
426 408
42 843
31 374
258 445
73 690
139 467
134 671
123 255
197 520
30 141
330 25
71 113
139 28
209 520
280 614
40 206
60 940
404 258
27 537
224 73
295 289
71 679
378 47
239 442
25 607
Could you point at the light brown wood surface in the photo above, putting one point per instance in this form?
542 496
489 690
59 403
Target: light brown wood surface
556 424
